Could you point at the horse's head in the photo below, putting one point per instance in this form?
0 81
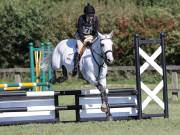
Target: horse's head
106 47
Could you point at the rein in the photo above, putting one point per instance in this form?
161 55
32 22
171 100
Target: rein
99 65
101 56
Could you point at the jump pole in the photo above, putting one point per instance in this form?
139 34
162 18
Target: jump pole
23 84
42 77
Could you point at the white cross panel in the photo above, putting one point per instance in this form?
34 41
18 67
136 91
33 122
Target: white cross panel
152 94
153 57
150 61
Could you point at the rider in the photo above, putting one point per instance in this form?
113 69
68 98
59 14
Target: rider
87 31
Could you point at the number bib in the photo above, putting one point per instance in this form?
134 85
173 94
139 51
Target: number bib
87 30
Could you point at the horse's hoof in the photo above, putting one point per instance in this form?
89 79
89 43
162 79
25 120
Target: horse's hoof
109 118
104 108
74 73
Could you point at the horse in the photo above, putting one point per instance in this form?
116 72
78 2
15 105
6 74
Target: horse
92 65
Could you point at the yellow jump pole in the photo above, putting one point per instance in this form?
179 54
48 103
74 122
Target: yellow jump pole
36 56
24 84
39 67
19 86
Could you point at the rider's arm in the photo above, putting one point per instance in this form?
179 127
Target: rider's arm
80 28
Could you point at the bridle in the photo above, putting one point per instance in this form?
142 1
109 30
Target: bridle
102 55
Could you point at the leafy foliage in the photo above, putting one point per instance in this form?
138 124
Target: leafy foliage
54 20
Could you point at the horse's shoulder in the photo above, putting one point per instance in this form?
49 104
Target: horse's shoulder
86 52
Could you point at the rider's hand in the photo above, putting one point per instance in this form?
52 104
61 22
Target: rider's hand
88 43
88 38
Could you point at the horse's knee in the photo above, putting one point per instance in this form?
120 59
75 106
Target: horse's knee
102 82
101 88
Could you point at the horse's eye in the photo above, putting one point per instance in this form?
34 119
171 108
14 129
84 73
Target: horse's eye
102 45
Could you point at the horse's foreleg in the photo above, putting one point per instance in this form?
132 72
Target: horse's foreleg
64 77
102 88
104 99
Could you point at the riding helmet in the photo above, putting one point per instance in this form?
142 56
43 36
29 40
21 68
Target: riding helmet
88 9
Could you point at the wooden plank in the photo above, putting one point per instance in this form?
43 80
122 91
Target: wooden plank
175 87
173 68
113 68
121 68
13 70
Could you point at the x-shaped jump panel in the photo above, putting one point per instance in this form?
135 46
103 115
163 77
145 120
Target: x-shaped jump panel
140 69
151 94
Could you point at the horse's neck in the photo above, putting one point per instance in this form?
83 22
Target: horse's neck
96 46
97 52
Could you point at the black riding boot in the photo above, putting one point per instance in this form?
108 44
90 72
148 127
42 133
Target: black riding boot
76 63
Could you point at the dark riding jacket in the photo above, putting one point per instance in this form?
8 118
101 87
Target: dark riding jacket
84 28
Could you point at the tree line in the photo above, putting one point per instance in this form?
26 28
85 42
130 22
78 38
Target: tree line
53 20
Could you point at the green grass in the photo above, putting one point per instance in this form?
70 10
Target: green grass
154 126
112 82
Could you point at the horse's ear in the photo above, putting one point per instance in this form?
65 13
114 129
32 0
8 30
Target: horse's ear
100 34
111 34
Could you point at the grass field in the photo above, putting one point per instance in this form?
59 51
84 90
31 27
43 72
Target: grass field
153 126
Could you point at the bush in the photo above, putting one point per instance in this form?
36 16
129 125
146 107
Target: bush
19 26
54 20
